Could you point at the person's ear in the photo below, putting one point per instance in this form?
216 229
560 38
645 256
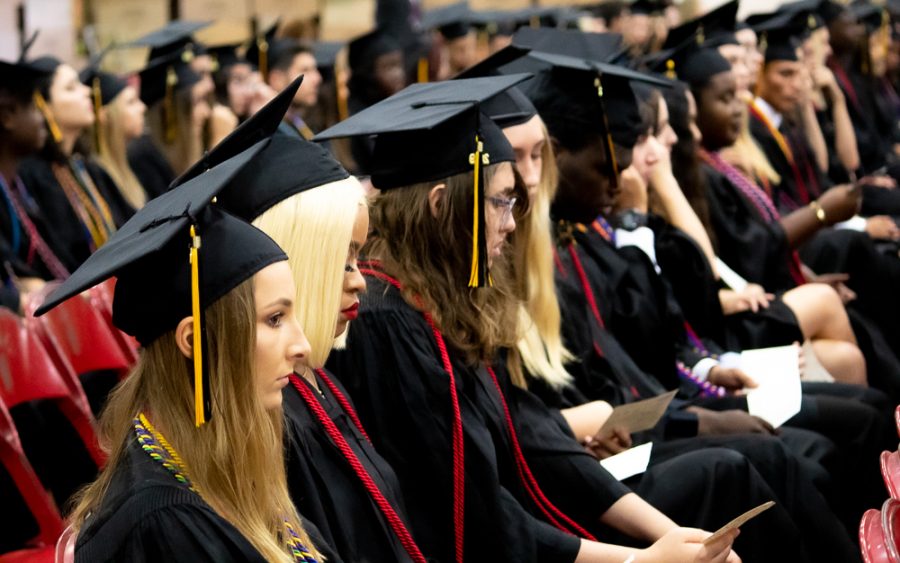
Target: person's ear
184 337
436 197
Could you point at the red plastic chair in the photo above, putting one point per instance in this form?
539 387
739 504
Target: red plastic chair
890 472
890 524
37 498
78 330
27 374
871 538
897 419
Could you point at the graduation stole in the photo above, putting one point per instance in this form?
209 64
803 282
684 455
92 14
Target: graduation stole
457 437
841 75
158 448
85 201
758 198
785 147
36 243
393 519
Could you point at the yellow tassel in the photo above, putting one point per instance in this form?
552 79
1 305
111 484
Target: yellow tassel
473 275
199 415
263 58
41 104
422 70
670 69
610 148
171 120
98 105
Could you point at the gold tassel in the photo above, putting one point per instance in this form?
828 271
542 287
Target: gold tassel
263 46
610 148
41 104
422 70
670 70
199 410
476 276
98 105
171 120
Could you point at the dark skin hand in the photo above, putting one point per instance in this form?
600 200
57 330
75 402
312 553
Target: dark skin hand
716 423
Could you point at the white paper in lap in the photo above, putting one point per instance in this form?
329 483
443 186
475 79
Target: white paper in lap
778 395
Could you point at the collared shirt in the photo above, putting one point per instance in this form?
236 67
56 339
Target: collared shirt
774 117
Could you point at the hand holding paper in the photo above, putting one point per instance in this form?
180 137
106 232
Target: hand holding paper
739 521
638 416
778 395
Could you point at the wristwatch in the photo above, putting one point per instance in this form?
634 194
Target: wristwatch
630 219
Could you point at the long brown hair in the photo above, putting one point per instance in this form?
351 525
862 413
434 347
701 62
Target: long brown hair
246 485
112 153
187 147
427 253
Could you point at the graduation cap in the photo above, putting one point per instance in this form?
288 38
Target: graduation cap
363 50
570 42
432 131
264 182
649 7
690 62
499 22
21 76
715 28
453 21
225 55
326 52
160 80
175 37
174 258
258 53
510 107
870 15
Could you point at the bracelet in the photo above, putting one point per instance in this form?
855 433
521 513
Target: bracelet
820 213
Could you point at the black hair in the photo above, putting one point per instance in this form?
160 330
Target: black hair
283 57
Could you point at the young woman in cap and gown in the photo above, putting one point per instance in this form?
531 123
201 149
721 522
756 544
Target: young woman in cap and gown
77 205
194 434
319 216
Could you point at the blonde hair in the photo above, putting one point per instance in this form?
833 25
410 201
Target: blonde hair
540 347
245 485
113 156
315 228
746 155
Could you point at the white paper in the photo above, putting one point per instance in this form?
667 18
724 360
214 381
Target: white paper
731 278
632 461
776 371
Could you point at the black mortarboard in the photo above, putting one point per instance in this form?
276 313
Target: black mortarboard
648 7
174 258
258 52
366 48
46 64
163 76
690 62
432 131
176 36
326 52
453 21
870 15
104 85
264 181
498 22
570 42
510 107
715 28
224 55
21 76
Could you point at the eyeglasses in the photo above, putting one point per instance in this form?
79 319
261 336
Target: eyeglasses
504 204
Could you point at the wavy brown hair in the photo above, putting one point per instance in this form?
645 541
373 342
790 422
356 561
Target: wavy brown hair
245 485
428 253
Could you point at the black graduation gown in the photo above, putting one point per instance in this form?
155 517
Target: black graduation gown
392 369
150 166
146 515
53 215
328 492
859 104
694 287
